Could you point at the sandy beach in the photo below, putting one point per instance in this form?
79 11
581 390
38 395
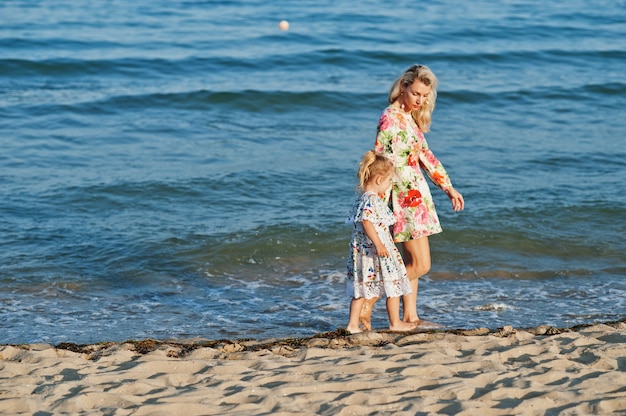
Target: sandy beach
505 371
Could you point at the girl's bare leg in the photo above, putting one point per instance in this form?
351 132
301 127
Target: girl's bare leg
356 304
395 323
365 316
416 255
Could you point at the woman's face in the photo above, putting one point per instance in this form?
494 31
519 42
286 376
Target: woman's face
414 96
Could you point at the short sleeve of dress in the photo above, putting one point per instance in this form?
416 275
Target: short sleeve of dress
370 207
362 210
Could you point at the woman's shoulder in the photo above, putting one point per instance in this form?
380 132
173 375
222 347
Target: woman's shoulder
390 109
392 112
391 119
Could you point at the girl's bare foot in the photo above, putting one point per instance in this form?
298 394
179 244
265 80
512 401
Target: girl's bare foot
365 317
403 326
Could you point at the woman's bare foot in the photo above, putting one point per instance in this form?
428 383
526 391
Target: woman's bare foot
420 323
353 330
365 317
403 326
412 319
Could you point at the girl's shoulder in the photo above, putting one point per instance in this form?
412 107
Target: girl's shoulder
370 207
361 203
369 196
374 201
366 200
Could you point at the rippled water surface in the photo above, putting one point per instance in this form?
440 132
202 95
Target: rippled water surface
177 169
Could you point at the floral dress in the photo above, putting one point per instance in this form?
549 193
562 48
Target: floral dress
370 275
399 138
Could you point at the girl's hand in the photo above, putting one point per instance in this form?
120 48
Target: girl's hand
458 204
370 230
382 251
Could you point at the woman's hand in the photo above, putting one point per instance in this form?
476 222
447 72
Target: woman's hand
458 204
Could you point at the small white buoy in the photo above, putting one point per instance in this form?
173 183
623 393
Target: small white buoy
283 25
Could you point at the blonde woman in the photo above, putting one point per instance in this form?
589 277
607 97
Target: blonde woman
400 137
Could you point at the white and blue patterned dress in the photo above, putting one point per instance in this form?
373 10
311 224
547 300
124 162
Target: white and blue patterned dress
369 275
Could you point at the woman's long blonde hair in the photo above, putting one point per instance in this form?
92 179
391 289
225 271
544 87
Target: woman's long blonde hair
373 164
423 115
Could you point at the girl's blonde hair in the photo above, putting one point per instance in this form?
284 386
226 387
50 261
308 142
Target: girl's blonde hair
373 164
423 115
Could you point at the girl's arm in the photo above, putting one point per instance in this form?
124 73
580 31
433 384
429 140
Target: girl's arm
373 235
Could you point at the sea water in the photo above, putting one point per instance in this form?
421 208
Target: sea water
181 169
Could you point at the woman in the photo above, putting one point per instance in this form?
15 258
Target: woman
400 136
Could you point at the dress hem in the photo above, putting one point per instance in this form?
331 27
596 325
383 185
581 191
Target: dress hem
415 238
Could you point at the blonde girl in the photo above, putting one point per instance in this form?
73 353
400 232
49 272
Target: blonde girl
375 267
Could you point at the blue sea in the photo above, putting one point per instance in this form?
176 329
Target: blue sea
178 169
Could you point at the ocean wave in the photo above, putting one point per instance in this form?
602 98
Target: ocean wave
274 102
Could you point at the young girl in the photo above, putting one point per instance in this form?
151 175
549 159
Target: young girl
375 267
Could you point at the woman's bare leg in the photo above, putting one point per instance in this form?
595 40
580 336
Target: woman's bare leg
416 255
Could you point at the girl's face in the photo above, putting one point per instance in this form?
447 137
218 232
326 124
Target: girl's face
414 96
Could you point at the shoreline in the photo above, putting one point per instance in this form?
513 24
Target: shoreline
339 338
541 370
